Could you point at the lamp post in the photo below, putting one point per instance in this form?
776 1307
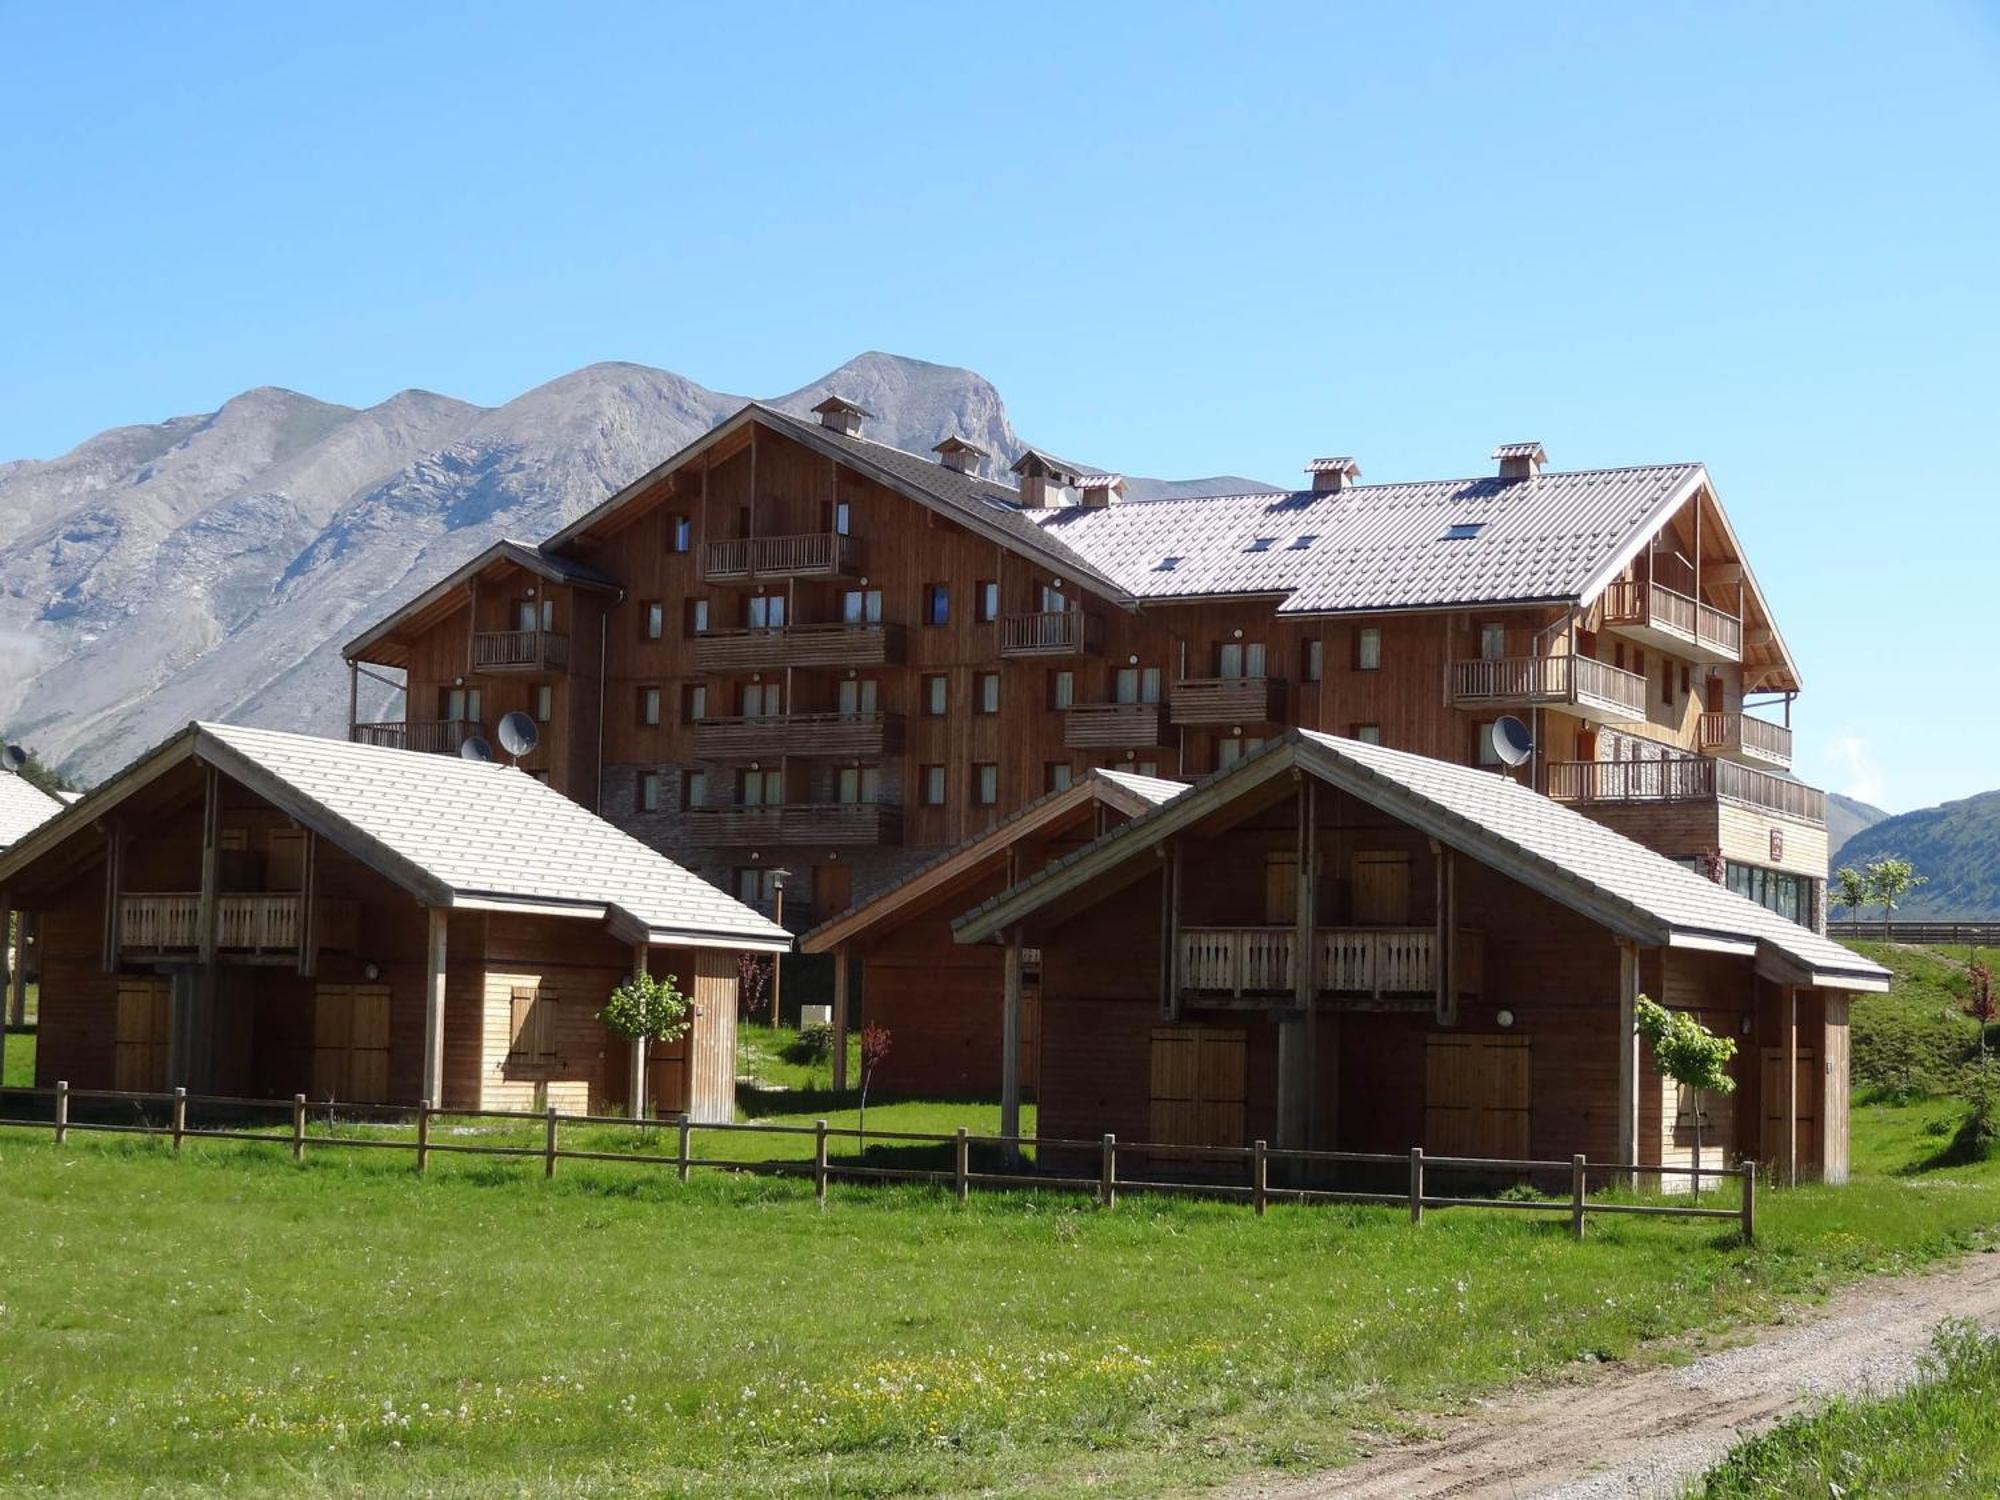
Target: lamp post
778 878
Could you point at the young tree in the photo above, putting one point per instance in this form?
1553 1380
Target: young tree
1850 889
874 1047
753 983
1979 1002
1690 1054
644 1010
1889 881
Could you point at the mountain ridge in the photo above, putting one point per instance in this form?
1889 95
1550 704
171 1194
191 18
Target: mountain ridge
1955 846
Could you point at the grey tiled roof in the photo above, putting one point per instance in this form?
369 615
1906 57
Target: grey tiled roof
23 807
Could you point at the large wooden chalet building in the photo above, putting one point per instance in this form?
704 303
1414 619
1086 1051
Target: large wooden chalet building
791 648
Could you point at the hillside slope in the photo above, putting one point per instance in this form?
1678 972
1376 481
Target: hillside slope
1956 845
1846 817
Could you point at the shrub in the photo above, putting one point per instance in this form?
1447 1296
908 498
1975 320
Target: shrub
1980 1129
814 1045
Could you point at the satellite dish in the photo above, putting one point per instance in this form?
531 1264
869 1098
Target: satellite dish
1511 740
12 757
474 748
518 735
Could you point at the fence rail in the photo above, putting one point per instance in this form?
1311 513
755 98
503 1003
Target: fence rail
1976 934
1105 1152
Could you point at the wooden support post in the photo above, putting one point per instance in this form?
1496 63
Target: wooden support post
1749 1173
1305 981
549 1144
686 1124
179 1118
354 696
298 1127
309 904
423 1136
635 1086
62 1110
819 1162
1628 1058
1260 1178
9 962
1416 1184
840 1017
1107 1172
961 1164
1011 1006
14 1006
1577 1174
436 957
1791 1086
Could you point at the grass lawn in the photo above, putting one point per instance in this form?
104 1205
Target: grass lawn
231 1323
1941 1437
18 1071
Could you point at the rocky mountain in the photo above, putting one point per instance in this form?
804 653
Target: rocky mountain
1956 846
1845 817
211 566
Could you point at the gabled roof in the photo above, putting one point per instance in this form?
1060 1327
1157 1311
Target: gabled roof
23 808
1554 849
454 833
555 569
1128 793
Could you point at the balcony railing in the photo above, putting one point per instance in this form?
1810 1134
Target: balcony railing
751 650
519 651
755 736
1372 962
1605 691
811 823
1113 726
816 554
1746 737
1050 632
170 923
1654 611
1228 700
1683 778
437 736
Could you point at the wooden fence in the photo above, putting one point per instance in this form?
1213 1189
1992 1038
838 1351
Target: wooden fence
1104 1184
1977 934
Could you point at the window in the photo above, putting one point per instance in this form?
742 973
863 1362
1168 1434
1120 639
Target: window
842 518
652 620
989 692
986 784
1492 642
1167 565
933 786
1260 544
1137 685
1142 767
1773 889
461 705
764 611
1483 751
649 791
1368 649
694 702
1368 734
649 706
937 604
858 695
861 607
525 615
1228 752
1057 776
760 788
987 602
1239 659
1053 600
1301 543
860 784
545 702
532 1025
1062 689
762 700
1667 681
694 788
680 533
936 695
697 616
1463 531
1309 665
757 887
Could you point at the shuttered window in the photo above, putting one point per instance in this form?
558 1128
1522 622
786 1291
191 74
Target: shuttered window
533 1024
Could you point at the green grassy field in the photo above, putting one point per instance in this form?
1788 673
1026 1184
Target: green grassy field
1915 1039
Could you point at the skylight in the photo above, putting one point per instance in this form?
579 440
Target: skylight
1167 565
1463 531
1300 543
1260 544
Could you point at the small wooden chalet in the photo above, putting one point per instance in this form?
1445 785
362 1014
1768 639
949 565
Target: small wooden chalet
1344 946
255 914
23 808
940 1000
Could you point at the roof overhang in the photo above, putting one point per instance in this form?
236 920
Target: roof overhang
520 554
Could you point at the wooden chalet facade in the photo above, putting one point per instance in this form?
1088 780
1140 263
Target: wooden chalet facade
24 807
791 648
252 914
1345 947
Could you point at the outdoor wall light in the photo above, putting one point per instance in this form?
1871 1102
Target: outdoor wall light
1505 1018
371 971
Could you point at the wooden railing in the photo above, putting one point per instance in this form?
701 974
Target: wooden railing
798 646
751 737
963 1160
1654 606
437 736
1049 632
1745 734
1683 778
1896 930
814 554
1720 629
796 823
1227 700
170 922
1113 726
519 650
1369 961
1582 680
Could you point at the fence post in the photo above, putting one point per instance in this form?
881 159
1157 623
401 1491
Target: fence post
423 1136
549 1146
1416 1184
1107 1176
62 1110
819 1162
179 1118
681 1158
1749 1202
1576 1177
1260 1178
962 1164
298 1127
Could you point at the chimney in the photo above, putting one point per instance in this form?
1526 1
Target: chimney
1095 491
1332 475
1046 482
841 416
960 456
1520 460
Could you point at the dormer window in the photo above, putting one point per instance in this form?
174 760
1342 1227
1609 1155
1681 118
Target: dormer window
1463 531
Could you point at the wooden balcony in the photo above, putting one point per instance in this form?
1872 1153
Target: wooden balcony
1114 726
758 737
519 651
1672 621
168 924
1227 700
1376 964
1683 778
1051 632
750 650
816 554
1598 690
810 823
1746 737
436 736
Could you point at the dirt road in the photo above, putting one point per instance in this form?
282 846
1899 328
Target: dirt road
1645 1432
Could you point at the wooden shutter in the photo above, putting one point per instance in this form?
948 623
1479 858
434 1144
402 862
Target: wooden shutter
1198 1077
145 1010
1476 1095
333 1032
1382 889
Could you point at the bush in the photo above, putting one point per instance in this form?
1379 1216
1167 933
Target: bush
814 1045
1980 1129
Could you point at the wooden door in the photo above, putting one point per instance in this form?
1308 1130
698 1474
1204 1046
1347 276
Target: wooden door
350 1060
1382 889
1713 693
1477 1093
1199 1076
1281 889
1771 1148
145 1020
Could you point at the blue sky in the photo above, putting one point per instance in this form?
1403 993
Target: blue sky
1181 239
